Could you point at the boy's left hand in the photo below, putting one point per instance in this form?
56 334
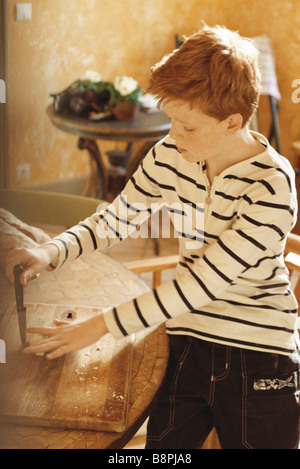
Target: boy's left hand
67 337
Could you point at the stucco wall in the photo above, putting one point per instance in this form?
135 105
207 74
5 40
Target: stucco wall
65 38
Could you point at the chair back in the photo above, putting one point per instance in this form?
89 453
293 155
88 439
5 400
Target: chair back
49 208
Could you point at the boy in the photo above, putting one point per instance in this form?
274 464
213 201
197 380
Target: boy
230 313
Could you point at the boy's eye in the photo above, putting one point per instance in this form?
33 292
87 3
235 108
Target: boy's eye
188 130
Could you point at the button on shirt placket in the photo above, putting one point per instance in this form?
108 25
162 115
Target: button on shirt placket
208 197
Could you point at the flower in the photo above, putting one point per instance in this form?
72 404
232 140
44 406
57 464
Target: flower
92 76
125 85
124 89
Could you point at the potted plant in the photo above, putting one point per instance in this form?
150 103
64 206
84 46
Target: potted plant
91 95
124 97
93 89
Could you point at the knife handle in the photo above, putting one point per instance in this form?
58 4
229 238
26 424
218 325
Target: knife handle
18 270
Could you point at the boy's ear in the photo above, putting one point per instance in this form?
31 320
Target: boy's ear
234 123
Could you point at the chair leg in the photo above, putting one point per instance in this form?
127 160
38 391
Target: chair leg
156 279
275 124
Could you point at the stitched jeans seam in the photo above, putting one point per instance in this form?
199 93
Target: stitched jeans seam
244 402
215 379
227 366
172 395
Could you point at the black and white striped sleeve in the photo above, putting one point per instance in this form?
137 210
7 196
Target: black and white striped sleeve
260 229
116 221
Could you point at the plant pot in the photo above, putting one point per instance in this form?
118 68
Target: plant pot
125 111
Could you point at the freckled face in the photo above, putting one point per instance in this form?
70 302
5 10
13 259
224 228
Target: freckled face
197 136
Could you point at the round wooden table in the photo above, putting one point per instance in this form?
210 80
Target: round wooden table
143 133
96 280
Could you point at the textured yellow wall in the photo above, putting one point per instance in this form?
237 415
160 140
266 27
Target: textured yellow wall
65 38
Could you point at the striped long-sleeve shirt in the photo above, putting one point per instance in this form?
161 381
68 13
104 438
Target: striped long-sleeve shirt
231 285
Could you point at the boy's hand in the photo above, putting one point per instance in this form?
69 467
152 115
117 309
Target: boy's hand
68 337
33 260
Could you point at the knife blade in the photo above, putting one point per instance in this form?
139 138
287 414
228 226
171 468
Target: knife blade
21 309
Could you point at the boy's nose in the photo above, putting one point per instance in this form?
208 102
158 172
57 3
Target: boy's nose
174 133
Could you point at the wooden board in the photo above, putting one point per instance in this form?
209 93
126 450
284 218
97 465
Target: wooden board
88 389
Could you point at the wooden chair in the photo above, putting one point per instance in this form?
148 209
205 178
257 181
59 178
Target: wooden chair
155 265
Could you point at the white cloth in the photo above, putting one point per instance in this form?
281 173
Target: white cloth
266 63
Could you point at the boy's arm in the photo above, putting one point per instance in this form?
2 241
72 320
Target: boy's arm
116 221
260 230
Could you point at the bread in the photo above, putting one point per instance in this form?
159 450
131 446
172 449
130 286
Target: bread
32 232
16 234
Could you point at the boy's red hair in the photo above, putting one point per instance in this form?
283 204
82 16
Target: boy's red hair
215 69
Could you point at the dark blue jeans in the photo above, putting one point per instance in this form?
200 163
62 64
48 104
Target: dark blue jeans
251 398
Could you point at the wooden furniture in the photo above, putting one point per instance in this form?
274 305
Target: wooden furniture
140 134
90 282
296 148
96 280
155 265
87 389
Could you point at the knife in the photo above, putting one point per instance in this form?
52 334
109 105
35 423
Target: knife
21 309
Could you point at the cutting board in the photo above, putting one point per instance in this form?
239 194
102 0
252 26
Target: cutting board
88 389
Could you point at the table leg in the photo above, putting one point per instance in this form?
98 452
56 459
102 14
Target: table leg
136 158
95 154
91 188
